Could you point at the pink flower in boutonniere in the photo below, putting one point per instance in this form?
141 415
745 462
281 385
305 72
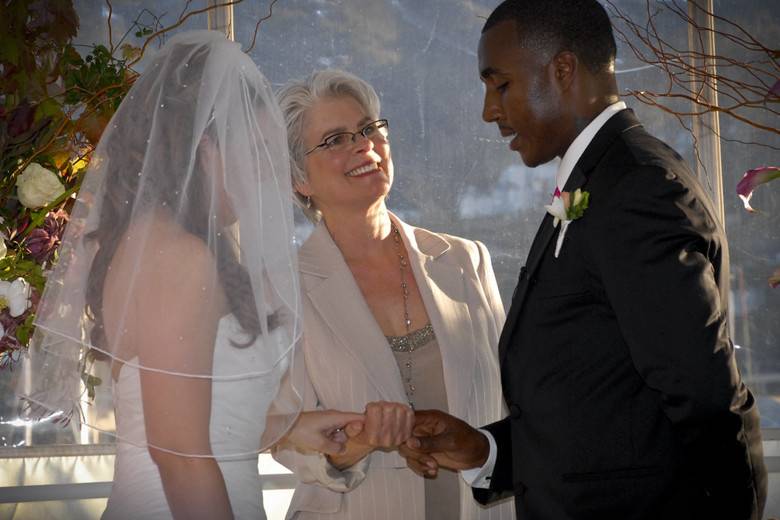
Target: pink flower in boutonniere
566 208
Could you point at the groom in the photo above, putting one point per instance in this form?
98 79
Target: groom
624 396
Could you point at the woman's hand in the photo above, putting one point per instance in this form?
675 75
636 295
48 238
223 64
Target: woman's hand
385 427
322 431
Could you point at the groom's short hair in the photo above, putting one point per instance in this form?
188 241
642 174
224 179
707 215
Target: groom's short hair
552 26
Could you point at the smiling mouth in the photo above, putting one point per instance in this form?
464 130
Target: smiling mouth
507 133
366 169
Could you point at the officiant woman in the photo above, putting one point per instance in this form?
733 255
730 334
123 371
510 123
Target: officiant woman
395 316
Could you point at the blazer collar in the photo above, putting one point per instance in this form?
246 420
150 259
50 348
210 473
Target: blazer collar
421 241
320 256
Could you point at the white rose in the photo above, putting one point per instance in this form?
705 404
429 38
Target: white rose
38 187
16 296
557 209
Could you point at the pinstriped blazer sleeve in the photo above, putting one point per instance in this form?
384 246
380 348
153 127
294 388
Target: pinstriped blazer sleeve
314 468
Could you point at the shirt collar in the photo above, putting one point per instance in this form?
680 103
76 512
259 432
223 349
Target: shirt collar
578 146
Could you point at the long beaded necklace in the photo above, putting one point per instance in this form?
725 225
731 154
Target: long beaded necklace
410 341
402 264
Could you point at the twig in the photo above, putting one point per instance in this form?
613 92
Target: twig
177 24
110 35
257 26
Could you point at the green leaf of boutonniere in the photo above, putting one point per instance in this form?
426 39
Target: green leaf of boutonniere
578 204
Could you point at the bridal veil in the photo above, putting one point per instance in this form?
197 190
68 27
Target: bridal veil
198 146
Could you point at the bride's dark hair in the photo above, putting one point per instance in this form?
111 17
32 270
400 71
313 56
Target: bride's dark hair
187 196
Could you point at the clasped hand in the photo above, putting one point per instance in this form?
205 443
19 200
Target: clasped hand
385 426
427 439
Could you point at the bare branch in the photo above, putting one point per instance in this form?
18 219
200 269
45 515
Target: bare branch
742 85
181 20
110 34
257 26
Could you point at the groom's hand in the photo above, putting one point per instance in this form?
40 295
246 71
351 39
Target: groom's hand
440 439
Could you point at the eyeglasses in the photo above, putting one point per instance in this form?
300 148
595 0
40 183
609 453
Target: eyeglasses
375 131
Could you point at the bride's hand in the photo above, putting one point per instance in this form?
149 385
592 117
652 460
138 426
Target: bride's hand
322 431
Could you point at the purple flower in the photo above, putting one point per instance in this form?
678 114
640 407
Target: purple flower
752 179
44 241
21 119
9 324
774 280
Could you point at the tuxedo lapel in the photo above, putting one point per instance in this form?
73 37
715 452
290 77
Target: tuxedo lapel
338 300
443 291
620 122
541 240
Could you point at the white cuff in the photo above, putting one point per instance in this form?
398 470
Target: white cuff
480 477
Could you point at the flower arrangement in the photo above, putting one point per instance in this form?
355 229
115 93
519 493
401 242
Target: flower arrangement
54 104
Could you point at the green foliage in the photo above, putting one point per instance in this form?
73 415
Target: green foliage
54 105
578 208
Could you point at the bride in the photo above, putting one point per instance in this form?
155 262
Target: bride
178 268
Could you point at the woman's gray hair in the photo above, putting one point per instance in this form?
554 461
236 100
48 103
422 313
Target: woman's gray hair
299 95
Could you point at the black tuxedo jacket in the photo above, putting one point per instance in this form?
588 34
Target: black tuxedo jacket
624 396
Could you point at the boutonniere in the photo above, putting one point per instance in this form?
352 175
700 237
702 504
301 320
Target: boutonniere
565 209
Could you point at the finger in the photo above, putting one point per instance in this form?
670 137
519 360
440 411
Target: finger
373 423
330 447
435 443
354 429
408 423
415 467
402 414
403 418
413 443
389 425
421 469
420 463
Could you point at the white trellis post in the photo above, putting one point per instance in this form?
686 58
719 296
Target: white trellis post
220 18
706 128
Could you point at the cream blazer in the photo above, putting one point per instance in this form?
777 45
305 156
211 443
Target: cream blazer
349 364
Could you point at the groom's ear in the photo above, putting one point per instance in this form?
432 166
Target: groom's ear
564 67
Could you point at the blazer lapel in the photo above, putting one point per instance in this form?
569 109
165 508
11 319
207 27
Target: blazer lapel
338 300
443 291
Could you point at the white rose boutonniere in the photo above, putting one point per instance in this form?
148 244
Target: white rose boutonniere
38 187
565 209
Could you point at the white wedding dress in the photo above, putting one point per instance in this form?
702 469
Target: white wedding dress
238 411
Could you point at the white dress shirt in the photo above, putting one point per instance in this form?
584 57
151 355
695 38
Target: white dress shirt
480 477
